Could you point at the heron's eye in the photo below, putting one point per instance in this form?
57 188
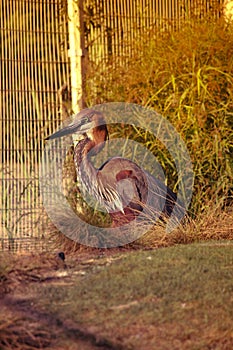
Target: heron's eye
85 120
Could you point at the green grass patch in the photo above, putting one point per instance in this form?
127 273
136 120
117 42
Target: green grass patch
178 297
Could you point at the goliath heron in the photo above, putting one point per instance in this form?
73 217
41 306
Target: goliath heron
120 185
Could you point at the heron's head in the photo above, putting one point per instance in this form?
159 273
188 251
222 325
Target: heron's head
87 123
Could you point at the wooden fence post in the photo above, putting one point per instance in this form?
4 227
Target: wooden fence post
76 52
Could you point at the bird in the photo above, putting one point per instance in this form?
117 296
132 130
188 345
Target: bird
121 186
61 256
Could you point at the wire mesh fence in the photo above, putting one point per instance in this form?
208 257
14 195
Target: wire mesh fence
111 27
116 31
34 65
35 76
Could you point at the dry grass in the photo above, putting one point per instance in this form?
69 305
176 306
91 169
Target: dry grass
22 334
187 76
211 224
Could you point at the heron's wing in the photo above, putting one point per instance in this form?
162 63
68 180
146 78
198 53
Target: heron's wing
136 188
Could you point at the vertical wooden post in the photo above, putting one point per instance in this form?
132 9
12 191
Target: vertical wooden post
76 52
228 11
76 45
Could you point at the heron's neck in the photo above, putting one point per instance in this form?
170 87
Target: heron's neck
86 172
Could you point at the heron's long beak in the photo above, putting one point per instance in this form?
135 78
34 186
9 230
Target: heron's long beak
80 125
